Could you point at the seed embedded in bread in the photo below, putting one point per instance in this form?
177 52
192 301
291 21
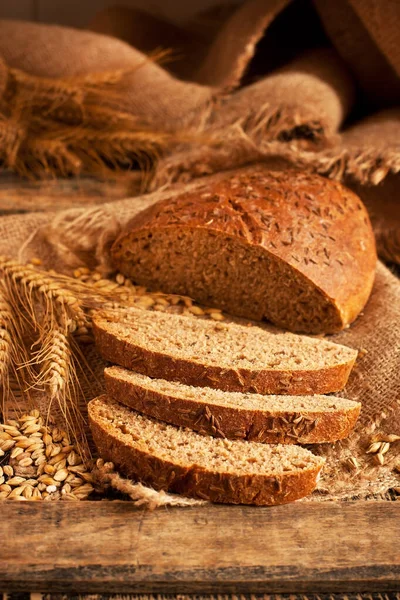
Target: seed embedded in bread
221 355
267 419
291 247
183 461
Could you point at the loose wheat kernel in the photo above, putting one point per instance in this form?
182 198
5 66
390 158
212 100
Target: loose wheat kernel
217 316
196 310
374 447
385 447
379 458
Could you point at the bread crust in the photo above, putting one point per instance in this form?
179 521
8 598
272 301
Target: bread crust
296 383
197 482
288 427
316 226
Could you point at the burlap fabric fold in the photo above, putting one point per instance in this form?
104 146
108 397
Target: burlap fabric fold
235 44
365 33
77 102
149 33
72 80
139 86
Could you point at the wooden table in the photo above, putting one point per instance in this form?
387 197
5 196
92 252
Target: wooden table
109 547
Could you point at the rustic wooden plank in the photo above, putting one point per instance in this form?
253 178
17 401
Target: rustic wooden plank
113 547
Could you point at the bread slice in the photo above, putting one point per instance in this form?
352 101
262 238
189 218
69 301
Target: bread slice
234 415
183 461
225 356
288 246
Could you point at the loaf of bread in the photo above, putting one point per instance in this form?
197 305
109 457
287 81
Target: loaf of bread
183 461
225 356
234 415
290 247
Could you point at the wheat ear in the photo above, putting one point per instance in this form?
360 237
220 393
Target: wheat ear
57 377
54 360
14 357
45 309
38 298
6 319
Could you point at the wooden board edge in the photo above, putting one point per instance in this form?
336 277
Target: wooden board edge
119 523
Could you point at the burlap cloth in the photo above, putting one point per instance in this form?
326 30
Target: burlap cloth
77 102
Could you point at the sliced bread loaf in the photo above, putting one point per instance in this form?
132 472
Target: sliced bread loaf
291 247
234 415
230 357
183 461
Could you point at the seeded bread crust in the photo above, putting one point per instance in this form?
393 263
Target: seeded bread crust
272 427
131 355
310 231
193 480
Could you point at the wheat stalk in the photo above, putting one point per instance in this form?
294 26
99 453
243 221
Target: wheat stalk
6 319
77 125
13 356
38 298
27 285
38 314
69 294
56 375
46 313
54 359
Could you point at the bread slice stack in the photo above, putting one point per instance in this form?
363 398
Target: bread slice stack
216 410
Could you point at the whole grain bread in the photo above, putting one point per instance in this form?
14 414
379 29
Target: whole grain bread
183 461
234 415
290 247
226 356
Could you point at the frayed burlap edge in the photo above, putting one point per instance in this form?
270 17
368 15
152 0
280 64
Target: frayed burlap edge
241 145
105 477
250 139
366 165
